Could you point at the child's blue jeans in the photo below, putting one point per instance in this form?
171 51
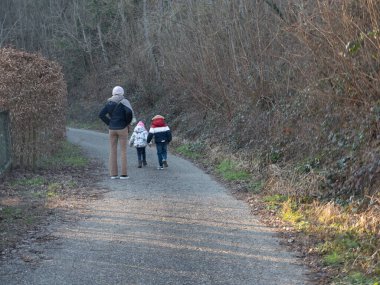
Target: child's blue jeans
162 152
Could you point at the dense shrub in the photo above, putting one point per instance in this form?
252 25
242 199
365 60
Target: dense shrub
34 91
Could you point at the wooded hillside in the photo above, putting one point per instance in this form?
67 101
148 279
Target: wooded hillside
281 97
287 83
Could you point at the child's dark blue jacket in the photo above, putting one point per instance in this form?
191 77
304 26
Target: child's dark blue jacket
159 130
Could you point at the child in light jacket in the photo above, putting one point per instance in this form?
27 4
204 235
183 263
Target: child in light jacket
139 141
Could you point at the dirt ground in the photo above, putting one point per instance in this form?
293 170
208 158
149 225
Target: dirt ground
31 200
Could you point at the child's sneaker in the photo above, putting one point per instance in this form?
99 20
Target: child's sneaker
124 176
160 168
114 177
165 163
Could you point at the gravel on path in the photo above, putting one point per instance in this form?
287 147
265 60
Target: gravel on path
172 226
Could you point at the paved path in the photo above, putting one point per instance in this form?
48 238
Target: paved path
176 226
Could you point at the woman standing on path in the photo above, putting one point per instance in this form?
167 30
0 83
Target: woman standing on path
117 114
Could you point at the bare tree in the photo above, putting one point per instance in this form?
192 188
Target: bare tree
149 45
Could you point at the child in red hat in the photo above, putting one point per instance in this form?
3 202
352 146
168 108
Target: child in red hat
162 135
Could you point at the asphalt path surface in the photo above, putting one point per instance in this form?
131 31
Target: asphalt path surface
172 226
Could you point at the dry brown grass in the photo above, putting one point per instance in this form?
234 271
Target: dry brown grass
286 181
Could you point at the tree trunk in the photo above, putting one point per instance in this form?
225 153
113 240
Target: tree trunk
149 43
104 52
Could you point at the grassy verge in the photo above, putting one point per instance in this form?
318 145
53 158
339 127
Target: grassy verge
342 240
190 150
230 171
347 239
97 125
68 155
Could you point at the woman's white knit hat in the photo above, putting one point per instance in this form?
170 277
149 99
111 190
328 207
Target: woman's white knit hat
117 90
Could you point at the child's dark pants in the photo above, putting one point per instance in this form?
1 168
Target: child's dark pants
141 155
